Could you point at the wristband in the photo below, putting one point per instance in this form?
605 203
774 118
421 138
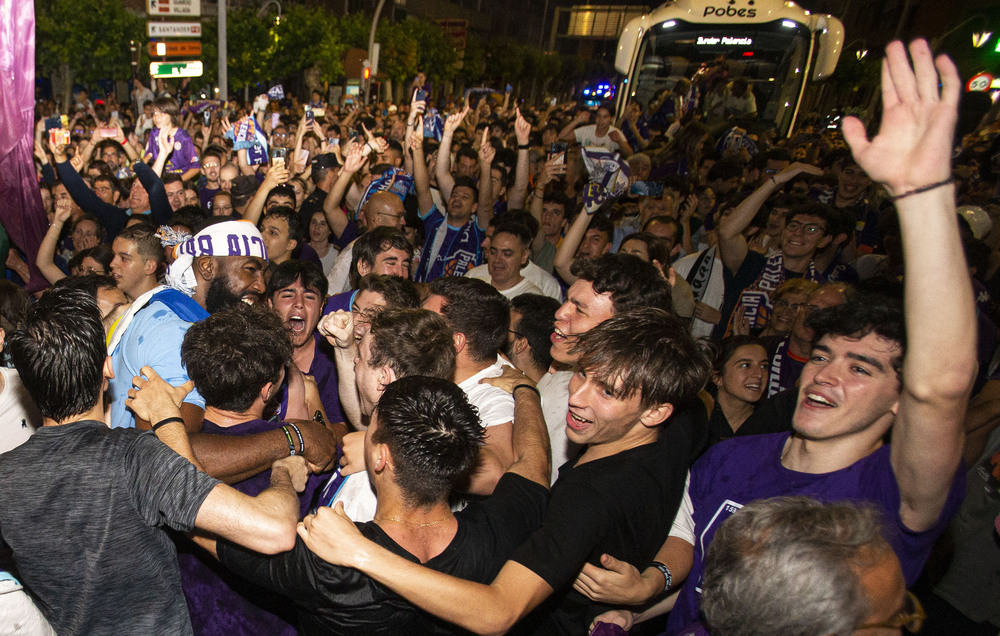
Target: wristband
526 386
523 146
291 445
926 188
666 574
302 442
167 421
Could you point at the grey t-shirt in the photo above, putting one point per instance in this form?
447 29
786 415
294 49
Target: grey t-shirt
81 506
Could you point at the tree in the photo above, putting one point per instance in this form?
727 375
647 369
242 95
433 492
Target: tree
84 40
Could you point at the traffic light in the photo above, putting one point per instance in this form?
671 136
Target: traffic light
366 69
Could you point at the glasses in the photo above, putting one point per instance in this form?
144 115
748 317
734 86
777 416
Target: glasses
209 165
517 334
784 304
809 229
911 616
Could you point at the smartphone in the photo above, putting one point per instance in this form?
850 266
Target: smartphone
558 149
319 112
278 156
310 116
114 115
333 141
107 132
59 136
421 95
303 156
52 122
275 120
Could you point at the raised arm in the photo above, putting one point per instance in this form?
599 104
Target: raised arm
518 193
274 177
443 169
911 158
567 249
567 133
45 259
354 160
732 244
487 198
554 168
421 178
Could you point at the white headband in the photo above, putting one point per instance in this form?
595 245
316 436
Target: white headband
229 238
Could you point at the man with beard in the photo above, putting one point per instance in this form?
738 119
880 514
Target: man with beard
218 267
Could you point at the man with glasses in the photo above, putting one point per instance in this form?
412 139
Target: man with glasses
383 209
211 168
754 275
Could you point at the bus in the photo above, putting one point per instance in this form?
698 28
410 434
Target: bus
771 45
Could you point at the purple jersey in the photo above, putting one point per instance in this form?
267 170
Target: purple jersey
184 157
221 602
737 471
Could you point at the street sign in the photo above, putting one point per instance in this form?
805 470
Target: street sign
175 49
175 69
189 8
980 82
173 29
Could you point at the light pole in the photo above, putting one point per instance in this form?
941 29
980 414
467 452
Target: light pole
371 51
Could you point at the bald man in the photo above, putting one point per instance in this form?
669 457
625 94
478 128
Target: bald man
381 209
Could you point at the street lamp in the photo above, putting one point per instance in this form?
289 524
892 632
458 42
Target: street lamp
979 39
862 50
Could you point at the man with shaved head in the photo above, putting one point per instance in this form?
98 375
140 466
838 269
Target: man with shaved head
383 209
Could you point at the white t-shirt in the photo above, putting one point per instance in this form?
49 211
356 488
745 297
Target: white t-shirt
554 388
339 275
524 287
587 137
546 282
19 417
713 291
495 405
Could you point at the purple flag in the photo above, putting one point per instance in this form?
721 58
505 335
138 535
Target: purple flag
20 202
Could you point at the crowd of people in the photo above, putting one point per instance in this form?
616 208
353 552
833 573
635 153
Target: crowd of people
464 364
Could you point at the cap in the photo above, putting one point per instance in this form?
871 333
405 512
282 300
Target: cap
325 160
244 186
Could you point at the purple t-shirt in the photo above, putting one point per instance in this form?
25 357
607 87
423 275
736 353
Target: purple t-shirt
324 371
740 470
184 156
221 602
340 302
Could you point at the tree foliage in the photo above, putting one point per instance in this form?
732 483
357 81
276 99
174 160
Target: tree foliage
89 40
91 37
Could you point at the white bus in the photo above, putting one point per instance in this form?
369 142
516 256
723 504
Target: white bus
773 44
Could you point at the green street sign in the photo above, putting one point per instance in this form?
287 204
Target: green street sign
176 69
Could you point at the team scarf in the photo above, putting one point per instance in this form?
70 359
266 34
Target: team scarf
609 175
229 238
700 273
394 180
755 301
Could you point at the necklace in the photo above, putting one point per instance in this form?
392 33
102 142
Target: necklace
410 523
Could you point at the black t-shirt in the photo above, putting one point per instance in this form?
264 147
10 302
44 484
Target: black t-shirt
338 600
80 506
622 505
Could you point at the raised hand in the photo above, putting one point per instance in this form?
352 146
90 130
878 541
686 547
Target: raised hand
338 327
795 170
913 146
454 121
522 129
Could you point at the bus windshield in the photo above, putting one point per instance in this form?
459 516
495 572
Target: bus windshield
747 72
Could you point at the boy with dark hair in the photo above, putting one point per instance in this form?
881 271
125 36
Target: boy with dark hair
282 233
